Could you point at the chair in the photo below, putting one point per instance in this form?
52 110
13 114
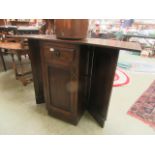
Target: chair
3 32
1 55
20 60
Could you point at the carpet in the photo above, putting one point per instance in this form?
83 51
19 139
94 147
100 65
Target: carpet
144 107
132 62
121 78
138 66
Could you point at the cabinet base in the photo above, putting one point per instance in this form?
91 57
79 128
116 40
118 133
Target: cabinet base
72 120
100 120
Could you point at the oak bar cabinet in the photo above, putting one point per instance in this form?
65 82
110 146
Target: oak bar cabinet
72 76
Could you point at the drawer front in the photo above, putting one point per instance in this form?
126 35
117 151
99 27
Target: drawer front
59 55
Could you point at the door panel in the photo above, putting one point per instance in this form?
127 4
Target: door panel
60 95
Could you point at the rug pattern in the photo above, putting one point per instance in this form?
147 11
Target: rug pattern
121 78
144 107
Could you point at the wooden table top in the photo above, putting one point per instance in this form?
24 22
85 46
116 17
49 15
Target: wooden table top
11 45
109 43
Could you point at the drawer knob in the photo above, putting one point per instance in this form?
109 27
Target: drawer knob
55 52
52 49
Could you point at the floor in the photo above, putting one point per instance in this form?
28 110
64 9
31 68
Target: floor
19 113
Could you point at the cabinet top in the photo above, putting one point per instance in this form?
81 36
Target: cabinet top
109 43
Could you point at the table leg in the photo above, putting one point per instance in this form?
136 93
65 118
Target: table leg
34 55
3 62
103 71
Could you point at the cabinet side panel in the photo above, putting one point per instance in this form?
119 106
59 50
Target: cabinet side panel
35 58
103 71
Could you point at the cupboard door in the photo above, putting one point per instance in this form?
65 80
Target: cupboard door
61 76
60 90
62 93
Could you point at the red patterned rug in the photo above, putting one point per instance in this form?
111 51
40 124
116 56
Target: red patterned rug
144 107
121 78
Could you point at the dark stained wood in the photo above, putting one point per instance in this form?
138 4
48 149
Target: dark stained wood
62 81
109 43
59 55
75 75
103 67
36 70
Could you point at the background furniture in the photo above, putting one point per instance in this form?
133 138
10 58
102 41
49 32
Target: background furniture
3 61
6 29
126 37
27 30
48 26
20 22
2 22
18 49
147 42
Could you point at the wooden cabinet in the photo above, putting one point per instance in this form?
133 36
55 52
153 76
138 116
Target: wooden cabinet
71 76
62 77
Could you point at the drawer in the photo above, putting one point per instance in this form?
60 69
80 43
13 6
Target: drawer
59 55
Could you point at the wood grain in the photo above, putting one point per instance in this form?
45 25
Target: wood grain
11 46
87 64
109 43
